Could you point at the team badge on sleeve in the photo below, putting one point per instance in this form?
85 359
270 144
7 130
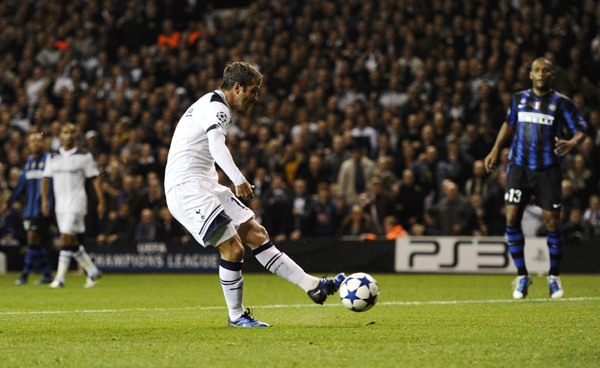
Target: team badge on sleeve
222 117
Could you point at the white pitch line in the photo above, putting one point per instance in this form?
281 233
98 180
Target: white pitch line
430 302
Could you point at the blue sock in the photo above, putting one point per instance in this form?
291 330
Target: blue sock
28 262
516 245
36 253
555 240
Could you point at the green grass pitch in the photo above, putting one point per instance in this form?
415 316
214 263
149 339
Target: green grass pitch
180 321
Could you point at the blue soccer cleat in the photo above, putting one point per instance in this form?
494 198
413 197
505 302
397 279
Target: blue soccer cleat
21 281
246 320
521 284
45 280
556 290
327 286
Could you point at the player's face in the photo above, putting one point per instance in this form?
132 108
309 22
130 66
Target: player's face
542 75
247 95
67 135
35 144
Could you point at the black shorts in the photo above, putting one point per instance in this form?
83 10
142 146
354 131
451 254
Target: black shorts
37 224
545 185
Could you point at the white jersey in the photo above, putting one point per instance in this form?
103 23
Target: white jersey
189 155
68 170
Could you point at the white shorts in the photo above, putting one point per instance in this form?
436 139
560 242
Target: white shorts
71 223
210 211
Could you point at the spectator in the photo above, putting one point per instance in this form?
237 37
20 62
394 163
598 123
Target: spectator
278 206
334 159
393 229
378 203
592 215
354 174
129 195
384 172
576 227
409 200
120 227
579 175
146 229
425 169
569 200
480 226
495 211
454 213
322 218
314 174
170 230
477 184
356 223
301 203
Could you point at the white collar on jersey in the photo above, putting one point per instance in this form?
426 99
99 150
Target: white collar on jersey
65 152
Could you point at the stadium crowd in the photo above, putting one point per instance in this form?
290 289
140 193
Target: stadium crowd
373 118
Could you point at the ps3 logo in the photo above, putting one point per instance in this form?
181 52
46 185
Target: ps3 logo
452 254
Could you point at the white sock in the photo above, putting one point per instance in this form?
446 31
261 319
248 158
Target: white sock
232 283
64 260
283 266
85 261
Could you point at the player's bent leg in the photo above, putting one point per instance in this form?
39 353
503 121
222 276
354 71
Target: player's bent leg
277 262
84 260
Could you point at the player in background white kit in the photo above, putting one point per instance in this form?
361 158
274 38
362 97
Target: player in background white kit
69 168
210 211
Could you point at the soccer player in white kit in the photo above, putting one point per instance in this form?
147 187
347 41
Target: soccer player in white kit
210 211
68 168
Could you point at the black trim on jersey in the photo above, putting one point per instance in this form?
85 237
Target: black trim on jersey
217 98
212 127
79 151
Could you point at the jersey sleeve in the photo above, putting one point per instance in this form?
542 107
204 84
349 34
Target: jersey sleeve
511 114
572 117
90 167
222 156
215 117
47 173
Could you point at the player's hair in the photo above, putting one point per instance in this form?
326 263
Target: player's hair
239 72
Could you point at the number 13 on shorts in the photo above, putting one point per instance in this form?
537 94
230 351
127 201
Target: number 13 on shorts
513 196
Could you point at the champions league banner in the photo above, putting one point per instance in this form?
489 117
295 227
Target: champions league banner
155 257
328 256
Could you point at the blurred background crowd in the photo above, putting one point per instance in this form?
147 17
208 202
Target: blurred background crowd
373 118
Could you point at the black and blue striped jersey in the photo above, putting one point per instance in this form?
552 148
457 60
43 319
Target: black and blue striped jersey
537 121
30 184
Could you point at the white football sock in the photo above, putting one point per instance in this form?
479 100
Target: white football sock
283 266
85 261
64 260
232 283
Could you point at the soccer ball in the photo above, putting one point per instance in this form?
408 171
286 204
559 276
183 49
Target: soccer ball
359 292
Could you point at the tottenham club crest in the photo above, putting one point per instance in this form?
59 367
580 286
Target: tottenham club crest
222 117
